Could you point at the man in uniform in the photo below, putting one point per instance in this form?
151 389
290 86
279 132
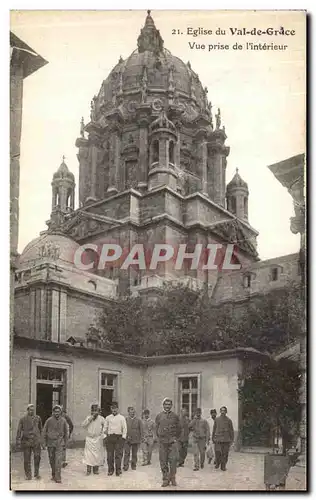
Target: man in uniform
184 438
29 439
168 430
133 438
149 431
201 437
55 436
222 437
70 428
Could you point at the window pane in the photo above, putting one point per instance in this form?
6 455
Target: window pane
187 407
185 399
194 382
193 403
110 379
103 378
185 383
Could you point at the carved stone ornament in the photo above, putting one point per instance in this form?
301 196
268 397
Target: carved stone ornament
48 250
157 104
131 106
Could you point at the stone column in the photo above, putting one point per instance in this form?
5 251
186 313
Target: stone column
163 152
143 113
32 313
143 156
55 335
93 172
114 161
63 317
298 225
43 321
16 95
83 158
219 152
201 137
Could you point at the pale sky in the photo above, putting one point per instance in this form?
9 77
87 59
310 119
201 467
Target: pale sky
261 95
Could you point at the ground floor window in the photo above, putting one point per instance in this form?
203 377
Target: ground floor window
189 393
108 391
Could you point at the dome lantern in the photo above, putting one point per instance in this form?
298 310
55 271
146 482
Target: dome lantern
237 196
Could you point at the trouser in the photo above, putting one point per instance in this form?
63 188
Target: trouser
199 448
64 454
147 448
221 454
183 451
127 452
168 457
55 455
114 450
27 453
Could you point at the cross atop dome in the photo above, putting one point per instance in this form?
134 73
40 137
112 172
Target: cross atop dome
150 38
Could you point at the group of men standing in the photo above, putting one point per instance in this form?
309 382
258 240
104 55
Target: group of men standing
212 437
123 437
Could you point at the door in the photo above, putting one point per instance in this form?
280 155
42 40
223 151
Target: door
44 401
106 400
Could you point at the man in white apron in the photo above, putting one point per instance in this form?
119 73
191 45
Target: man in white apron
94 451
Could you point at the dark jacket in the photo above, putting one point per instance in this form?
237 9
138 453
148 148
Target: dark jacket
200 428
55 432
134 430
29 431
168 427
223 431
184 422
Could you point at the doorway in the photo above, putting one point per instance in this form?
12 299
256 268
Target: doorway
106 401
50 390
108 392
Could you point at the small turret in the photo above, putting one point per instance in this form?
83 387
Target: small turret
63 189
237 194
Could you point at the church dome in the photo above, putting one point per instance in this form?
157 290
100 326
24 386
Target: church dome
63 172
53 246
236 182
153 66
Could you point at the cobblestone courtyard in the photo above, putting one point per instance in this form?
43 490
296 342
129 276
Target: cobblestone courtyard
245 472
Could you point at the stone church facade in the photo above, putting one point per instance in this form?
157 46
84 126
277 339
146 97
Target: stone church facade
152 169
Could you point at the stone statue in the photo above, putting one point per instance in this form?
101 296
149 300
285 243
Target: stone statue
144 86
205 98
92 110
82 127
120 83
171 87
218 119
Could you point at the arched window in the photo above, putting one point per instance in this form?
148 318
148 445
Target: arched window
57 200
171 152
246 206
68 198
233 204
155 150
